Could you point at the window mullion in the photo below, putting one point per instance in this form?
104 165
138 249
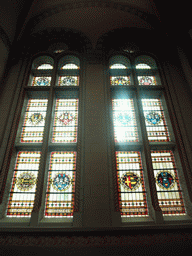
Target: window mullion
44 151
147 154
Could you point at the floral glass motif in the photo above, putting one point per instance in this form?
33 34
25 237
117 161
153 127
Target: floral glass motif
131 188
124 120
61 185
120 80
34 121
65 121
41 81
169 191
156 125
147 80
23 187
68 81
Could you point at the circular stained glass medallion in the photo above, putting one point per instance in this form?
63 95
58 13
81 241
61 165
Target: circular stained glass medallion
61 182
43 81
145 80
123 118
68 80
25 181
65 118
36 118
130 181
120 81
153 118
165 180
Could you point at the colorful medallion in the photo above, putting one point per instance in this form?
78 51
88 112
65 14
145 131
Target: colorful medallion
43 81
61 182
65 118
120 80
153 118
145 80
123 119
25 181
165 180
130 181
36 118
68 80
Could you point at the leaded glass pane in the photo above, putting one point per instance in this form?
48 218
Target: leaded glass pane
156 125
125 128
70 66
41 81
131 187
61 185
143 66
118 66
147 80
169 191
34 121
23 187
65 121
68 81
45 66
120 80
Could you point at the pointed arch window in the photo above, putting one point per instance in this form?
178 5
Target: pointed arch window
140 116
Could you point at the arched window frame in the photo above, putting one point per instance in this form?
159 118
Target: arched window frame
138 91
51 92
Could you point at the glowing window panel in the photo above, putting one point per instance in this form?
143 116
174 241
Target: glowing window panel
45 66
125 128
169 192
156 125
68 81
147 80
142 66
65 121
61 185
120 80
70 66
34 121
118 66
41 81
23 187
131 188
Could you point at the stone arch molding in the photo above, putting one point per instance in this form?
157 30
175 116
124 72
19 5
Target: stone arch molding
140 13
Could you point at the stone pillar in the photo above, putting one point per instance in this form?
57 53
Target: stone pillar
97 212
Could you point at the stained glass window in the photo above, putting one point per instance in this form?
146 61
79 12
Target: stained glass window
41 81
45 66
169 191
142 66
61 185
131 187
34 121
23 187
118 66
156 125
120 80
70 66
68 81
147 80
125 128
65 121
